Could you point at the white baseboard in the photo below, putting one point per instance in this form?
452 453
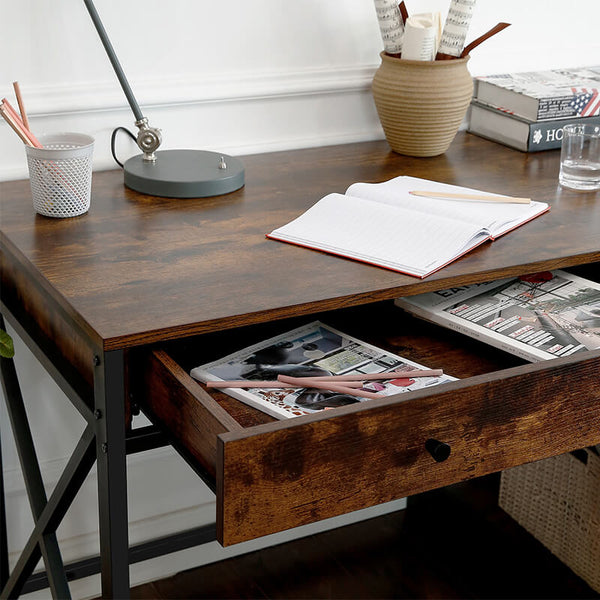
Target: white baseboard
93 96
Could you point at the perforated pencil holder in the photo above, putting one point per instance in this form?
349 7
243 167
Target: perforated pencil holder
60 174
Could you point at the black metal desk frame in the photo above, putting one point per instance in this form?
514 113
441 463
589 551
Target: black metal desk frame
105 441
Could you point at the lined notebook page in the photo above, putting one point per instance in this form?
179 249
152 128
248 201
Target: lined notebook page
398 238
497 217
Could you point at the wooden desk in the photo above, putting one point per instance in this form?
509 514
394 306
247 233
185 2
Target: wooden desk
119 303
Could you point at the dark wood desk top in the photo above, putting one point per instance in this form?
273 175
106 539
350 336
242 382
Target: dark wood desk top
138 269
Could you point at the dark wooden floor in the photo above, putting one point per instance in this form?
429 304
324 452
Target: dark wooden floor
449 543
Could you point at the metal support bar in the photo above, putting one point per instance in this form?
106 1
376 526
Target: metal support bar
106 427
66 489
145 438
138 553
32 475
109 394
3 532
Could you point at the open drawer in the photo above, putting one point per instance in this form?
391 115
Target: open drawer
273 475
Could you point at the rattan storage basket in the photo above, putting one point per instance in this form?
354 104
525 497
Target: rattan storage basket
557 500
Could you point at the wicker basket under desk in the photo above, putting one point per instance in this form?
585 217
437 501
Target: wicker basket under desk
557 500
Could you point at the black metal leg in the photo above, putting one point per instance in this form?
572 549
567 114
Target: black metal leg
109 393
66 489
4 572
3 533
104 441
32 475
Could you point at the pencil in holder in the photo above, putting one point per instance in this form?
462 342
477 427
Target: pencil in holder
60 174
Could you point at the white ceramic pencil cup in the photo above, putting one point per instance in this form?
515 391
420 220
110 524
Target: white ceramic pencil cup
60 174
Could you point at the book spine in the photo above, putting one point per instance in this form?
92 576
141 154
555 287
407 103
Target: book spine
547 135
438 319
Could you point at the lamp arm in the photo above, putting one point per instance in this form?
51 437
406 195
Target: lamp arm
148 138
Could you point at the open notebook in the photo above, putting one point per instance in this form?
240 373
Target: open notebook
384 225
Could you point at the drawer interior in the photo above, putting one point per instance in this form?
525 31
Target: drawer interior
272 475
381 324
178 401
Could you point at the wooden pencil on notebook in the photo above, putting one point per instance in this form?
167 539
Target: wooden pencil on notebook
480 197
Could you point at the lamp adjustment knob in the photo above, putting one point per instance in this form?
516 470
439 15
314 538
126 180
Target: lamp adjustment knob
148 139
440 451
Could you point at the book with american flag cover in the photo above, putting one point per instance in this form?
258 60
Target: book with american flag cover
543 95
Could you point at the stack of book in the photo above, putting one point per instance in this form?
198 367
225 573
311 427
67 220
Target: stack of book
527 111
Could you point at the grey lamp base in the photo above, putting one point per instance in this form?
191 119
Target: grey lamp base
184 174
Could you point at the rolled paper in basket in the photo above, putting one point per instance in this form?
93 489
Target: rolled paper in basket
391 25
421 36
455 29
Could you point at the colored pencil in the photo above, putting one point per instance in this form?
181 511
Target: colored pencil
381 376
245 383
17 119
330 387
21 104
14 125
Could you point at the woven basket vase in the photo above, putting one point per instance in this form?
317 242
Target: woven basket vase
421 104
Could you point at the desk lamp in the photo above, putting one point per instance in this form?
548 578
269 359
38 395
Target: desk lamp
170 173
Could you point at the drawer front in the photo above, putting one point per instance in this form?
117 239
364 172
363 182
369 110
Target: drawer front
282 475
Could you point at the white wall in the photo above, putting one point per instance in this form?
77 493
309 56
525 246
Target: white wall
238 77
